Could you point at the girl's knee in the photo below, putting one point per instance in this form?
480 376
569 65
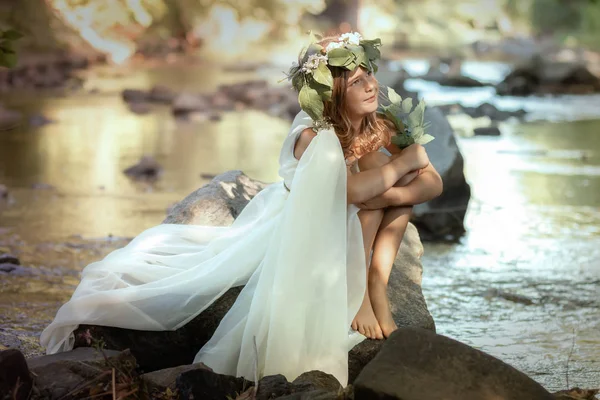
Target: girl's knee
399 210
374 159
370 215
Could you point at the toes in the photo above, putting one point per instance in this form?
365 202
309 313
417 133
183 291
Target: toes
361 329
378 333
354 325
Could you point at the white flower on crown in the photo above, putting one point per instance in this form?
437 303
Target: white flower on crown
333 45
313 63
344 39
351 38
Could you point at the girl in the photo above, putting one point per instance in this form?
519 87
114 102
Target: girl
300 247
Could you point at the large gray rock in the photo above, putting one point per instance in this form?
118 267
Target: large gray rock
443 217
219 203
419 364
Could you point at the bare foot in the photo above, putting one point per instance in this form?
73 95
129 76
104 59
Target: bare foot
365 321
381 306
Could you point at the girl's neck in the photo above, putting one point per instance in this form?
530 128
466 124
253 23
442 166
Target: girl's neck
356 125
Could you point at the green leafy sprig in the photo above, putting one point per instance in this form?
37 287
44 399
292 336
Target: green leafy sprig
410 125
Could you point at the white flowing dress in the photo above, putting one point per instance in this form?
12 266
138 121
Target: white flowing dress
299 254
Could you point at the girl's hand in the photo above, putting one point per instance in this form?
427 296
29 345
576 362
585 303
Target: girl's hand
415 156
408 178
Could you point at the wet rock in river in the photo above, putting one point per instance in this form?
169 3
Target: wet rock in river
146 169
140 108
446 71
186 103
42 186
542 76
39 120
134 95
9 259
487 131
161 94
443 217
515 298
9 119
3 192
483 110
489 110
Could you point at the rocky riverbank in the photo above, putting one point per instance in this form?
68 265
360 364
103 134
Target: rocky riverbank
134 364
415 363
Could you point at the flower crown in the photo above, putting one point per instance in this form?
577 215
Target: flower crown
311 76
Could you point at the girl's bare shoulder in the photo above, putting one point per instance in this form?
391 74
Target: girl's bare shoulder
304 139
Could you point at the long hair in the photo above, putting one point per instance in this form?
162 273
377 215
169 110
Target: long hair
374 131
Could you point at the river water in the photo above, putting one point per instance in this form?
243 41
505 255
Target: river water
522 285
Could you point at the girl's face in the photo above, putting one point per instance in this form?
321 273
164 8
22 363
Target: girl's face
361 93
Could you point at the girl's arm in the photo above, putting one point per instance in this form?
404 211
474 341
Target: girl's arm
426 186
371 183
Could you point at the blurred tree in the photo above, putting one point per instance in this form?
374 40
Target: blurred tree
33 19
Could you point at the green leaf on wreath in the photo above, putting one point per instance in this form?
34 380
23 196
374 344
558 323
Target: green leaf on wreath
311 102
339 57
323 75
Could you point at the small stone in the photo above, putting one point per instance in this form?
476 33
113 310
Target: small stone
146 168
40 120
487 131
208 385
188 102
8 268
272 387
166 378
161 94
42 186
134 96
9 119
139 108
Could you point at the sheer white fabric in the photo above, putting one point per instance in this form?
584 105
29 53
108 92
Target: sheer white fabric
299 254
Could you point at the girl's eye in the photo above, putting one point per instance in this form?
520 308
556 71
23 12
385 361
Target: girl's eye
355 82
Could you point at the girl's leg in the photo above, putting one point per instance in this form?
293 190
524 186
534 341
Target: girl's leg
385 248
365 321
